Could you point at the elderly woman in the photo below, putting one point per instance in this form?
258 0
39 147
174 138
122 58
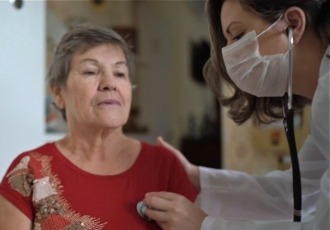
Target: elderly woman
93 177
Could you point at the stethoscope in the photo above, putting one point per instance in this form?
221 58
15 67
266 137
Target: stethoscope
288 122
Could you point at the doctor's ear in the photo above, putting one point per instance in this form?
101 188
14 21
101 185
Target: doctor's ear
296 19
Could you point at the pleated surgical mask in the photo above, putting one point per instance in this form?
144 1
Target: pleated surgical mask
262 76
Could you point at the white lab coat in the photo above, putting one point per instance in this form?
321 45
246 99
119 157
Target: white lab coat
236 200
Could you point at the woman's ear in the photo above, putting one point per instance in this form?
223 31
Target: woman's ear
56 92
296 19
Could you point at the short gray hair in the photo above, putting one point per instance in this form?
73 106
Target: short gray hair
81 38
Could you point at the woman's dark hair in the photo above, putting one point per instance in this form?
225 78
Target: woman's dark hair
81 38
243 105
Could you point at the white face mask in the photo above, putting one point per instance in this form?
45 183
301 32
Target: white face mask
262 76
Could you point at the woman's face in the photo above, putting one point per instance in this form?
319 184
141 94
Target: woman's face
238 21
98 90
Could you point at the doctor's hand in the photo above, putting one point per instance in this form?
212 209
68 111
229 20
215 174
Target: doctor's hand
173 212
191 169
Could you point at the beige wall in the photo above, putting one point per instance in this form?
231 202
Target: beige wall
112 13
167 30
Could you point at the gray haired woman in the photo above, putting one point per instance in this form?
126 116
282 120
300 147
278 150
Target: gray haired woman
93 178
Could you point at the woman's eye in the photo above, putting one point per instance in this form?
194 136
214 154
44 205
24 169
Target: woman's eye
119 74
88 73
237 37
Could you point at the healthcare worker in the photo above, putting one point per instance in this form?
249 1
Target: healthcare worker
257 47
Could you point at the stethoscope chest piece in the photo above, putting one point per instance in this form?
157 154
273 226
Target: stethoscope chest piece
141 208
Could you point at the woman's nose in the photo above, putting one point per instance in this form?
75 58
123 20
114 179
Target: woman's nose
108 83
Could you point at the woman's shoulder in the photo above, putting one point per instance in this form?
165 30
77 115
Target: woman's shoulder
45 149
29 159
26 167
156 152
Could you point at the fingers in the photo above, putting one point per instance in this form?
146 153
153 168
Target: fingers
173 150
164 195
173 211
157 203
156 215
161 205
161 201
191 170
161 142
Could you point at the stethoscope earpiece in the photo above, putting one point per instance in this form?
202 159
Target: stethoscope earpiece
291 44
290 35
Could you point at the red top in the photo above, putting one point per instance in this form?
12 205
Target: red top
55 194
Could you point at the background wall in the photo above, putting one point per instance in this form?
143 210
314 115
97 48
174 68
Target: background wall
22 70
168 94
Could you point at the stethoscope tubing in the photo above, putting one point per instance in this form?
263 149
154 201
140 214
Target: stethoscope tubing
290 135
